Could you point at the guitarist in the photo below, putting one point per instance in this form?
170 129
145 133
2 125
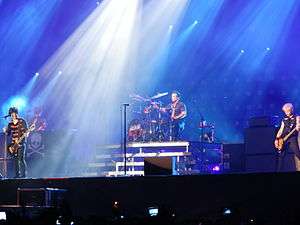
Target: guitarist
290 127
15 129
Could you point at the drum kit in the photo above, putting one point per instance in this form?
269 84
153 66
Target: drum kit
150 122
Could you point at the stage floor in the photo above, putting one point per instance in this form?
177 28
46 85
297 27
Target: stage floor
185 195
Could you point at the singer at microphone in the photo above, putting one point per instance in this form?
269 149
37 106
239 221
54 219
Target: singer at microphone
17 129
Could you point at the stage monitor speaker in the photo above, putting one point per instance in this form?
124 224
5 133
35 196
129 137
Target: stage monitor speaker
260 140
158 166
6 164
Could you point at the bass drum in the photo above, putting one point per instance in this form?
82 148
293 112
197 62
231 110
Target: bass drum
135 131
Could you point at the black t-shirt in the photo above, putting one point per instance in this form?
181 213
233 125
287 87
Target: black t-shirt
289 125
179 108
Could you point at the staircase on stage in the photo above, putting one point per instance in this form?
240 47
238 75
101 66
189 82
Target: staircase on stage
187 158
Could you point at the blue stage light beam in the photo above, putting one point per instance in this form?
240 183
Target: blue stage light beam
203 15
94 62
99 65
15 101
184 35
258 26
161 22
21 99
44 90
27 89
23 27
235 61
270 25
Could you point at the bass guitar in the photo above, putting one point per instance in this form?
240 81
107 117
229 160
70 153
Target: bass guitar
13 147
279 143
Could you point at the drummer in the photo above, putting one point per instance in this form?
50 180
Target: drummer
178 112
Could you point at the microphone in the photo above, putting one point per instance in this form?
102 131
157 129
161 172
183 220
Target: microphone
4 117
125 104
201 117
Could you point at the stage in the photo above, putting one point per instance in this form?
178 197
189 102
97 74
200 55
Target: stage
269 195
120 109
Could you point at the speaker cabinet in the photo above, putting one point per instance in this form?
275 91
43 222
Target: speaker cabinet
2 145
260 140
6 164
268 163
233 158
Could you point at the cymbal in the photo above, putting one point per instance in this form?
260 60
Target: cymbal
206 125
138 98
159 95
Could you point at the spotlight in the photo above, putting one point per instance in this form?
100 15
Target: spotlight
97 3
268 49
59 72
170 27
242 51
37 74
195 22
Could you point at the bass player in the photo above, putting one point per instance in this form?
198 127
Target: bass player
287 135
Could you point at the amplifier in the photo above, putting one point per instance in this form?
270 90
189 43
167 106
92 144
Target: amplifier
268 163
260 140
263 121
233 158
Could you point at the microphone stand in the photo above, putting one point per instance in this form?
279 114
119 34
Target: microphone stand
4 159
201 143
125 105
4 175
5 156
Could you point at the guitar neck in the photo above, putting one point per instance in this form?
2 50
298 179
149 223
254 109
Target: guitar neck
31 128
22 137
289 134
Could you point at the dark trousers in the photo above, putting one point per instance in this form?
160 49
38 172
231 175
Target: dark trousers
176 129
20 163
290 145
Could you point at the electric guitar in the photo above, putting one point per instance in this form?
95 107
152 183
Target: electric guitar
13 147
280 142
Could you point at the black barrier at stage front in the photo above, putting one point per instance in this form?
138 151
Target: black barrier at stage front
187 196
